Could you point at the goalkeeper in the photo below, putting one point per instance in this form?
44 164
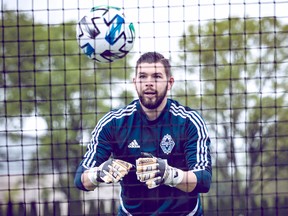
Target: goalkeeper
157 149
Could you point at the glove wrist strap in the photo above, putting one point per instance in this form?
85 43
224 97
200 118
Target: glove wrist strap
92 175
174 177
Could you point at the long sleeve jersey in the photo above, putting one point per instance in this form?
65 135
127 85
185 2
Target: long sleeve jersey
179 135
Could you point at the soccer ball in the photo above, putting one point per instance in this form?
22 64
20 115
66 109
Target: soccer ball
103 35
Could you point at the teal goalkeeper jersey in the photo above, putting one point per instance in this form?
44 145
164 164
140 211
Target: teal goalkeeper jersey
179 135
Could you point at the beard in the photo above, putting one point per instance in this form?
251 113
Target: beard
154 102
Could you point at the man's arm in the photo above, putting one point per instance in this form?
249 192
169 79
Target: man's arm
197 152
199 181
156 171
79 180
86 182
188 182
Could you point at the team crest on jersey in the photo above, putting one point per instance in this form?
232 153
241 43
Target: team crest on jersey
167 144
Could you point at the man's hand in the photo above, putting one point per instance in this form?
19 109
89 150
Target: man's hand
111 171
156 171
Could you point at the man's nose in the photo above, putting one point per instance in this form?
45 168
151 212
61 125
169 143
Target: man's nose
150 81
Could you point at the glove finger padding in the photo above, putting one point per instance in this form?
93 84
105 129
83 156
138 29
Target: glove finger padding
156 171
151 170
113 170
154 182
146 164
144 176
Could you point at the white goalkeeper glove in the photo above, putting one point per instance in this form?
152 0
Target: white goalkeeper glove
156 171
111 171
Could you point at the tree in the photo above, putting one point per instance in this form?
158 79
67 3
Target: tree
45 75
243 83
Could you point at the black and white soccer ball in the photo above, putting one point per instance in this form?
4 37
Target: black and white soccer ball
104 35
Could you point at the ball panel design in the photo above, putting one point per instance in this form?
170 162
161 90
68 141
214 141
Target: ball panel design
103 34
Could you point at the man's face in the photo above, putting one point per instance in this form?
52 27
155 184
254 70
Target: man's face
152 84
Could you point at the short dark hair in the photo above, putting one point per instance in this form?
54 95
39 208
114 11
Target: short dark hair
155 57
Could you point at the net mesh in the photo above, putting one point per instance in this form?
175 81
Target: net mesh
229 60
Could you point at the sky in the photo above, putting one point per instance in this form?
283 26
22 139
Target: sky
158 24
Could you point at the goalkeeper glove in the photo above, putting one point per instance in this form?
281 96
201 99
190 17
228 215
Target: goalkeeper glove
111 171
156 171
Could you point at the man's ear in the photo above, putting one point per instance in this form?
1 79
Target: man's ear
134 81
170 83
